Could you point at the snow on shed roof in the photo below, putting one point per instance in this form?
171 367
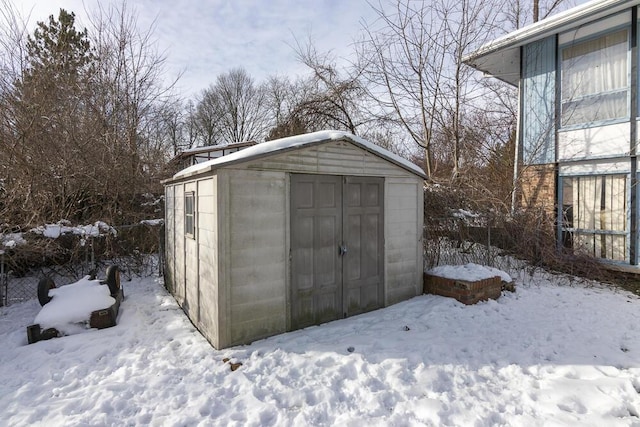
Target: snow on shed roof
197 150
500 58
295 142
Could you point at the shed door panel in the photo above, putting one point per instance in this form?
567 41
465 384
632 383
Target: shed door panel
316 226
363 234
327 212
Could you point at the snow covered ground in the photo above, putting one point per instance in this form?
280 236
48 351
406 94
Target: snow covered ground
553 353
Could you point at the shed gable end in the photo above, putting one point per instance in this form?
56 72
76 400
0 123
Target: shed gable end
335 157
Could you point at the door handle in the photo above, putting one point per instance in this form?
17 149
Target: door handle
342 249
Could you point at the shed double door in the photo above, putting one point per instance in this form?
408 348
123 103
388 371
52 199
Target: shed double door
337 247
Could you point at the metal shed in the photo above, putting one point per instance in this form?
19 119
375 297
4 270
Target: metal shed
292 233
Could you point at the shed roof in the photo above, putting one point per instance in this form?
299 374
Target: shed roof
279 146
212 148
501 57
208 148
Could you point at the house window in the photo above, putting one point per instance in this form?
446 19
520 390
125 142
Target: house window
595 215
189 214
595 81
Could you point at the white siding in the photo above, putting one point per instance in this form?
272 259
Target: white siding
604 141
207 226
598 27
191 303
403 239
169 239
596 167
257 254
179 272
333 158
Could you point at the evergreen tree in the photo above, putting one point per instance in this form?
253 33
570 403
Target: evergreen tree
53 118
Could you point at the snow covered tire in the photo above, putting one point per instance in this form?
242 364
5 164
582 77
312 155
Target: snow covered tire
44 285
113 279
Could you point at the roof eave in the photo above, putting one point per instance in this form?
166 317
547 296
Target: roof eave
209 170
558 23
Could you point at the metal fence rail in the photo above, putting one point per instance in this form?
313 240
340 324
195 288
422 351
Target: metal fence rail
459 241
136 249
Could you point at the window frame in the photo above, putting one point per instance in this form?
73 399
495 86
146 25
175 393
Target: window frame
627 90
568 231
190 214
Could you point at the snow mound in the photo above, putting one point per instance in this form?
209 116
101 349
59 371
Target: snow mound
469 272
71 305
152 222
11 240
53 231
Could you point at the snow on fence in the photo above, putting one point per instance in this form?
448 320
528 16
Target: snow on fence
66 254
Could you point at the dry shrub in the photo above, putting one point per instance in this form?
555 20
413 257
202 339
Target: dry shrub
74 256
457 219
531 235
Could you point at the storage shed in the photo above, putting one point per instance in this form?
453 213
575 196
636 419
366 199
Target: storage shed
292 233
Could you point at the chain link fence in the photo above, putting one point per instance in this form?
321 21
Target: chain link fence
459 240
136 249
522 248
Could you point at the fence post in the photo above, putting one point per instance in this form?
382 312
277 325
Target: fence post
161 251
93 258
489 243
3 281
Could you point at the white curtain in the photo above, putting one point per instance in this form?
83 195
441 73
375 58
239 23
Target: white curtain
599 203
595 79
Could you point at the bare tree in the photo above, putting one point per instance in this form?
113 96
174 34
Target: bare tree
403 57
468 25
206 116
80 117
129 82
282 99
335 99
522 12
233 109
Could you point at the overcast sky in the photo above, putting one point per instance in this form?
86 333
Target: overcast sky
204 38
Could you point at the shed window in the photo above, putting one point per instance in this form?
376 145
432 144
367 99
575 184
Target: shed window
595 81
595 215
189 214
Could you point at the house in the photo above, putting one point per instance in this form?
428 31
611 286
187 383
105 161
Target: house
577 76
196 155
292 233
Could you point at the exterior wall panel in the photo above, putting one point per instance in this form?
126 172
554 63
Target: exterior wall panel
539 187
257 269
403 233
207 221
192 282
596 167
538 102
590 143
170 226
333 158
179 271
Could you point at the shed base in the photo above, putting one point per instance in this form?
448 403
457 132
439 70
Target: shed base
467 292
